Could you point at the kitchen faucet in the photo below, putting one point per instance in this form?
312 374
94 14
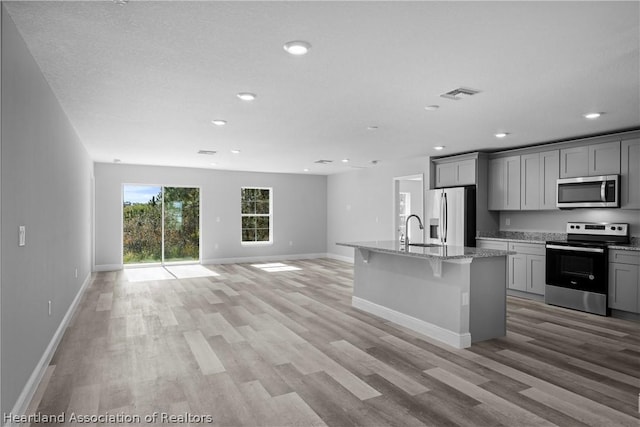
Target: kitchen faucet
406 227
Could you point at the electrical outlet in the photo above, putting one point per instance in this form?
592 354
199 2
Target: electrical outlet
507 221
290 242
49 307
76 273
22 235
465 298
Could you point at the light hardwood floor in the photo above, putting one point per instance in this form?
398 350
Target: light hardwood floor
251 348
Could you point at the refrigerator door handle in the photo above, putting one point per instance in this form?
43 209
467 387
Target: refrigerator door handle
446 219
441 222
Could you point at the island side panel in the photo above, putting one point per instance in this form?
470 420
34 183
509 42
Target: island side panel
488 299
406 285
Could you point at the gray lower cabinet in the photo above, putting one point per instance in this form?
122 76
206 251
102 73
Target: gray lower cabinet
526 269
624 278
630 174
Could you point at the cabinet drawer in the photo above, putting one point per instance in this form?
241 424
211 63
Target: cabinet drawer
624 257
492 244
528 248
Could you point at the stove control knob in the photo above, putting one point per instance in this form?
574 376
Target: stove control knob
578 227
613 228
620 228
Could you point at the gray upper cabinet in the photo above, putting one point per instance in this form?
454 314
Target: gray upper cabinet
504 183
590 160
630 174
456 173
530 183
538 180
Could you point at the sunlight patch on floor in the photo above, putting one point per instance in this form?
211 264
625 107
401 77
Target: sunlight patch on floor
275 267
143 274
190 271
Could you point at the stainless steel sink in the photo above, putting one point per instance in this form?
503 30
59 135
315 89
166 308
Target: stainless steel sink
425 245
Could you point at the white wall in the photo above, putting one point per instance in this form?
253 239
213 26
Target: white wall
46 175
360 205
299 211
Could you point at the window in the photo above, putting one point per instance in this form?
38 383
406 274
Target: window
257 224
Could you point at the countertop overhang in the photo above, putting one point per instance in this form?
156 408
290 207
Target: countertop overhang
442 253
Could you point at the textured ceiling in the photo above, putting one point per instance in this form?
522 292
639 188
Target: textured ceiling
142 82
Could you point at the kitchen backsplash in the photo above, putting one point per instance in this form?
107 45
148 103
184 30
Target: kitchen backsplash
555 221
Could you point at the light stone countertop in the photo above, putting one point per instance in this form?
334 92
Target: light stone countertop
434 252
541 238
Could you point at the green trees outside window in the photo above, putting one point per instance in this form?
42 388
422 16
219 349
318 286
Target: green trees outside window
256 214
160 224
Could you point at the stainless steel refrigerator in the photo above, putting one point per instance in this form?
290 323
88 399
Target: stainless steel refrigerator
450 216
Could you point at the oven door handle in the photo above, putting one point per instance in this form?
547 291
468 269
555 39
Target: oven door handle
575 248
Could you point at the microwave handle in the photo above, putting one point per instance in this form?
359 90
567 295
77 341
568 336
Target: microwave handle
603 191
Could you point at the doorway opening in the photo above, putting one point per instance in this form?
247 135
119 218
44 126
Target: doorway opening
160 225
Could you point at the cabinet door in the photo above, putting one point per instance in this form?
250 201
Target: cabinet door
466 172
536 274
517 272
549 173
630 174
574 162
445 175
604 159
496 184
623 287
530 182
512 183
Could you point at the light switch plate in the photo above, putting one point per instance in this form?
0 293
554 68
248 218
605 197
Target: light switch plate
22 235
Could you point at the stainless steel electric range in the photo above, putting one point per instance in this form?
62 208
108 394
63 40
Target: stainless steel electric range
577 269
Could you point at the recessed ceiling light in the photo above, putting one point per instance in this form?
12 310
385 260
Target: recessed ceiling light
306 169
121 2
501 134
345 160
247 96
431 107
592 116
297 47
116 160
235 151
219 122
213 164
439 147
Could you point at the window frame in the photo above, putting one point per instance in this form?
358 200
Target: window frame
269 215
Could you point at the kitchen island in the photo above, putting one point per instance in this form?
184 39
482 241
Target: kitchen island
455 294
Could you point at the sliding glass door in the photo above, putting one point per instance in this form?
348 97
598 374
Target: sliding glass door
160 224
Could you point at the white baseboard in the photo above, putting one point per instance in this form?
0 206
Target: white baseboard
108 267
244 260
453 339
348 259
22 404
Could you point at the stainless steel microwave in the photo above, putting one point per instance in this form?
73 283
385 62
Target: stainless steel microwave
589 192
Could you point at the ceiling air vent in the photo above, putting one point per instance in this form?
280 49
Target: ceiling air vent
208 152
323 162
460 93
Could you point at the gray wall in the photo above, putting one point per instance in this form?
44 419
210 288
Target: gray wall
299 210
360 205
46 186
